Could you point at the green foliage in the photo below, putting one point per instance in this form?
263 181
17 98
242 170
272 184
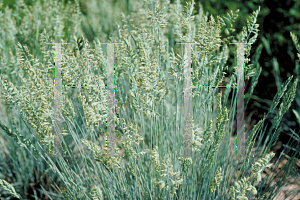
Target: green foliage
149 94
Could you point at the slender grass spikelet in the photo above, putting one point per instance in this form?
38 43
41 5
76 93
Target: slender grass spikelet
9 188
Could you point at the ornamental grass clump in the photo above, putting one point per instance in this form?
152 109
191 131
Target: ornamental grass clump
149 80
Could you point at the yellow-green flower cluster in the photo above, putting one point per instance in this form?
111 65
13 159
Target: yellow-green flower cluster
165 172
97 193
217 179
241 186
100 154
